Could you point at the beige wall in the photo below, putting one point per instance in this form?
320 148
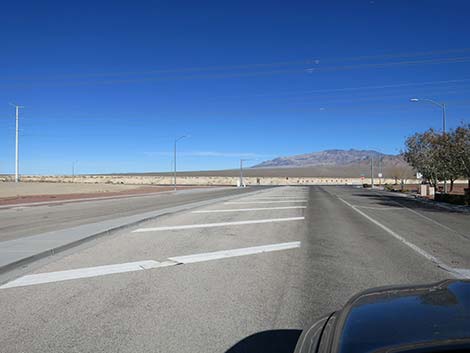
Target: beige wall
206 180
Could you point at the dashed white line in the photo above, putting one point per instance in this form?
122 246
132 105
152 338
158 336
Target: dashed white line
250 209
233 253
464 272
83 273
222 224
273 201
88 272
381 208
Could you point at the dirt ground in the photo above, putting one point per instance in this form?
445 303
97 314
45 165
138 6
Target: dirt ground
8 189
15 193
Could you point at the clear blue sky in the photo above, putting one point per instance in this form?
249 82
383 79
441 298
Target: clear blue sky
112 83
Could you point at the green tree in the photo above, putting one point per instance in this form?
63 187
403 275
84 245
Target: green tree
448 167
420 154
461 149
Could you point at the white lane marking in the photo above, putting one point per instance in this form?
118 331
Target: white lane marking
464 272
189 259
286 199
420 251
291 194
381 208
83 273
88 272
223 224
250 209
273 201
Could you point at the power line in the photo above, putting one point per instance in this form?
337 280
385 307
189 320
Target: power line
261 73
243 66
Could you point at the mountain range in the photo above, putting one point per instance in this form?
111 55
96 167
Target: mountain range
334 157
335 163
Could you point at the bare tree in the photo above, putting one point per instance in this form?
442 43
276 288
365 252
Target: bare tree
401 172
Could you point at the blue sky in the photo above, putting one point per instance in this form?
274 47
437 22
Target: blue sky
110 84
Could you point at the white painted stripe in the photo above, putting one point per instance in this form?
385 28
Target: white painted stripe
465 273
223 224
272 201
88 272
83 273
290 194
189 259
417 249
250 209
381 208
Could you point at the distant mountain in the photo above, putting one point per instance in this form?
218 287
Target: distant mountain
331 158
331 163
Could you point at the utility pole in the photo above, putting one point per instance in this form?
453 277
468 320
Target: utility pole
380 171
174 166
372 171
17 156
73 168
174 160
242 183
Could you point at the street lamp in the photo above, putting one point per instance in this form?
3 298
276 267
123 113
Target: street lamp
443 107
174 159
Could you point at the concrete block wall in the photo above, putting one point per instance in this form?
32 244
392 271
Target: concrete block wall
203 180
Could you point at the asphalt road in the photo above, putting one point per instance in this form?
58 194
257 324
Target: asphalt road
255 276
18 221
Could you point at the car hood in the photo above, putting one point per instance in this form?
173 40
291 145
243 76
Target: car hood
397 316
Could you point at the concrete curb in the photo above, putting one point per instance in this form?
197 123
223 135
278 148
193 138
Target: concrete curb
87 232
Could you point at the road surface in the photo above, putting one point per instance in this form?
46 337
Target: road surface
230 277
18 221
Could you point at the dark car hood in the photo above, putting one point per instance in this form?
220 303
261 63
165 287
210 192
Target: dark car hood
410 316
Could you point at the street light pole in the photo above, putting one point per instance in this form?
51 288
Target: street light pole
174 160
372 171
443 107
444 118
73 168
